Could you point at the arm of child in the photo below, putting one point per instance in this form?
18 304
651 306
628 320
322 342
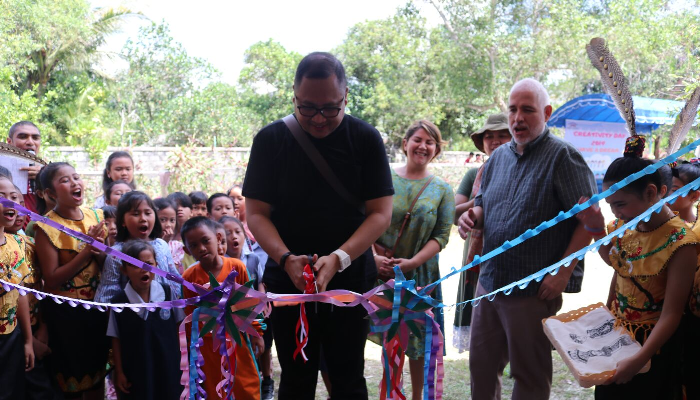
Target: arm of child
39 342
109 280
681 269
258 345
26 327
120 381
171 269
54 274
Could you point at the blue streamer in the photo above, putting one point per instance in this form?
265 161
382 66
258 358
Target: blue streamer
565 215
539 275
194 356
426 354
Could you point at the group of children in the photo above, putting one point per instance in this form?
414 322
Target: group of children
652 293
60 351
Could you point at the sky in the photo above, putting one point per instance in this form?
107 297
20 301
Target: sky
220 31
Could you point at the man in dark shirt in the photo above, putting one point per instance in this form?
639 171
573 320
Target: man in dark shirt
26 136
295 213
524 183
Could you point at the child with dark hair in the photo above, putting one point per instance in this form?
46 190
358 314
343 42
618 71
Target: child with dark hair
654 267
199 204
44 203
167 215
202 239
38 382
115 191
685 206
145 343
183 211
20 220
219 205
16 350
237 247
136 219
70 268
110 213
236 194
119 166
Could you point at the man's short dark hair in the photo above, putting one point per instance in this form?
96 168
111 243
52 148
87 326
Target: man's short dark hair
20 124
320 65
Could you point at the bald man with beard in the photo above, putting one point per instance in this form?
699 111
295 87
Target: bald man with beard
525 182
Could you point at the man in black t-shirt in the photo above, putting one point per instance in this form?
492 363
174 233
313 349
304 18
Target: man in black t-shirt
295 213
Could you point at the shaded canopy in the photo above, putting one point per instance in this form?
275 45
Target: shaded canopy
650 112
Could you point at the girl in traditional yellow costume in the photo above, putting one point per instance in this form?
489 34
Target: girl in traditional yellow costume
16 352
654 267
71 268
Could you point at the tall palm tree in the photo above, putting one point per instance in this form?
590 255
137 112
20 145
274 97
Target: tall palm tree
76 51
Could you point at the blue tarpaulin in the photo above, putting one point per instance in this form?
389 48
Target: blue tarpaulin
650 113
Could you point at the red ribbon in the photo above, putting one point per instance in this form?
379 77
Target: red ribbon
302 329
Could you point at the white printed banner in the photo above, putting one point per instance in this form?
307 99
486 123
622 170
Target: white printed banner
599 142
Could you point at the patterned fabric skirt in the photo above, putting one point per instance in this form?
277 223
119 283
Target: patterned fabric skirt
79 346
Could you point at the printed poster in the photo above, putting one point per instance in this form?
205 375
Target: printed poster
599 142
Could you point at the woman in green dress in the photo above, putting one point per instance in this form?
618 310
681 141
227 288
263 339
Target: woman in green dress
487 139
426 232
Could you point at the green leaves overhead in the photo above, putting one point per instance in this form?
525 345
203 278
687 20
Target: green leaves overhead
454 69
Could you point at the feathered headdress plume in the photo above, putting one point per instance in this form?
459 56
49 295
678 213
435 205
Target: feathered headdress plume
684 122
613 80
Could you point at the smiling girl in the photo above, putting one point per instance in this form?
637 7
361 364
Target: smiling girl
71 268
136 219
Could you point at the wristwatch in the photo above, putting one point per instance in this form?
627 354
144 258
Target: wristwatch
345 260
283 259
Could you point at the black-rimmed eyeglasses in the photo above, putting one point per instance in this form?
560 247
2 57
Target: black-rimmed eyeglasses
327 112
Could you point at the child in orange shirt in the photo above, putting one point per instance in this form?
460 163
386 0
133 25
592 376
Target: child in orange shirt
202 238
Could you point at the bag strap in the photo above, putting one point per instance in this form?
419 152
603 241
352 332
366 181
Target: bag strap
320 162
408 213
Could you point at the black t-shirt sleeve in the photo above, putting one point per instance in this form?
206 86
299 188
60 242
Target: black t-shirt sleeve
261 167
376 174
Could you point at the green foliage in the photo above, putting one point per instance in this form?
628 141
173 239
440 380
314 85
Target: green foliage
17 107
266 81
392 78
400 69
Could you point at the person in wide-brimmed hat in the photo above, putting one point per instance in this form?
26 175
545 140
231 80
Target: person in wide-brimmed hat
487 139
